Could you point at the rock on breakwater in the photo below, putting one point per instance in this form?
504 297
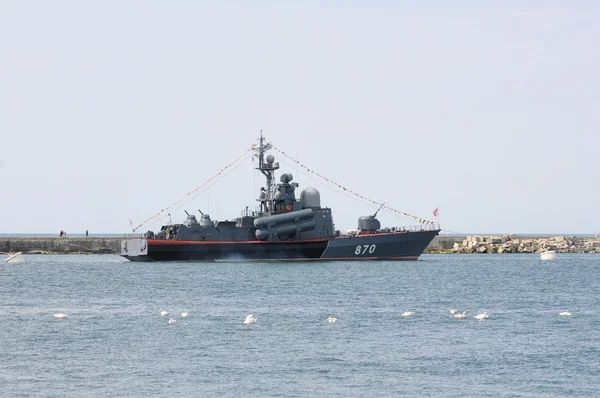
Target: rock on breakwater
519 244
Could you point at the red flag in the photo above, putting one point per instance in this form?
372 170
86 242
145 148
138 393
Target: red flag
435 212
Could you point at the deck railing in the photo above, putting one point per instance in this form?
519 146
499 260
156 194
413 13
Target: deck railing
417 228
134 236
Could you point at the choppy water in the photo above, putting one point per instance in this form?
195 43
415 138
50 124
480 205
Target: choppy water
116 343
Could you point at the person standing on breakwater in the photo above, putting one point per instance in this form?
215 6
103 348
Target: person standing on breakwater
86 232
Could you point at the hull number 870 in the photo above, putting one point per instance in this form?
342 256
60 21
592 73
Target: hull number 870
362 249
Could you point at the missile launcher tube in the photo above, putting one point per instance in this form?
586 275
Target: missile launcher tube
286 229
285 218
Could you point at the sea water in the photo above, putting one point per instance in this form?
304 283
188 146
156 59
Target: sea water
115 342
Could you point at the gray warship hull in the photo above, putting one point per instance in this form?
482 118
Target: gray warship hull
382 246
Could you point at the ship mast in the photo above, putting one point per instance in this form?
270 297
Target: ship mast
267 167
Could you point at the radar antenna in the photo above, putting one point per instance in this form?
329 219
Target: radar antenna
267 167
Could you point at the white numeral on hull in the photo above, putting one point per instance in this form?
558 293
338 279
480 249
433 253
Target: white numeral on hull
364 248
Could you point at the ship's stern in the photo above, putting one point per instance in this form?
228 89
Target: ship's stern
135 249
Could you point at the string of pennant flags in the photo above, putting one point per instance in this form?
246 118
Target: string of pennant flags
415 218
252 148
196 189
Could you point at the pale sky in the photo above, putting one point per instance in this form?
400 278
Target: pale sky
114 110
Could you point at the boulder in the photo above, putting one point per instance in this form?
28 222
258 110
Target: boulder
474 245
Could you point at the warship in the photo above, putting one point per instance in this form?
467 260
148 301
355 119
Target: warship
280 228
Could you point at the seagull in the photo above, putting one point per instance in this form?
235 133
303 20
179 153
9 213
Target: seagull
461 316
481 317
171 319
409 313
61 316
565 313
249 319
184 314
331 319
453 311
164 313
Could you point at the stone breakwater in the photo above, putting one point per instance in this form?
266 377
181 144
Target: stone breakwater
64 245
515 244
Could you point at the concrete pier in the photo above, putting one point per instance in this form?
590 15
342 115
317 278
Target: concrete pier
63 245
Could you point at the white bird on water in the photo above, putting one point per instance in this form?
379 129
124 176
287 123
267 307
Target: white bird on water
481 317
184 314
461 316
408 313
565 313
331 319
61 316
171 319
249 319
164 313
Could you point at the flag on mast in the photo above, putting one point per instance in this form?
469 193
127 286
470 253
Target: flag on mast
435 212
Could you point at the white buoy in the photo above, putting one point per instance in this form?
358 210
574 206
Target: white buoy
184 314
408 313
164 313
565 313
61 316
331 319
249 319
453 311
